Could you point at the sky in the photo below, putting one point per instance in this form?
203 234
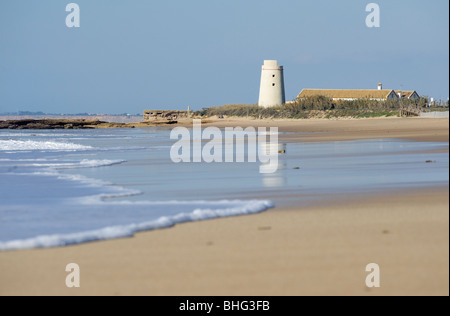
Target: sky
132 55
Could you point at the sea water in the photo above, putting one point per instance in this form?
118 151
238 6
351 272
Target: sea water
61 188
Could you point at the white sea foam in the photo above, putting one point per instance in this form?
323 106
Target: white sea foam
26 145
108 190
198 211
85 163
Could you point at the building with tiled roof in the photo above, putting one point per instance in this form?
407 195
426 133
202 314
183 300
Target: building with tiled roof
350 95
409 95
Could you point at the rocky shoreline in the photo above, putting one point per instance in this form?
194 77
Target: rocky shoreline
74 124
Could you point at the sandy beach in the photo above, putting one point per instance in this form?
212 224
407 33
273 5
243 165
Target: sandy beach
419 129
295 250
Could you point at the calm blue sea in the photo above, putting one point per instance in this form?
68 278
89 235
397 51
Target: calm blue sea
60 188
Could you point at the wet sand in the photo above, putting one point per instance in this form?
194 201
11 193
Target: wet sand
297 250
418 129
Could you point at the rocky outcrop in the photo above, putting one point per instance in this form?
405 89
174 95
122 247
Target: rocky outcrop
72 124
166 116
49 124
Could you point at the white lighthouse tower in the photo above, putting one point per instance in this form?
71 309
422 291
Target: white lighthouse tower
271 92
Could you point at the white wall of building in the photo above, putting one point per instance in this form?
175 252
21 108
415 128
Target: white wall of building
435 114
272 91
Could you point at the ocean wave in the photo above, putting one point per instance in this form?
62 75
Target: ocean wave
198 212
43 206
27 145
112 191
85 163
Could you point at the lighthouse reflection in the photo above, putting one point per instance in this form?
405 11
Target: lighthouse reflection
278 178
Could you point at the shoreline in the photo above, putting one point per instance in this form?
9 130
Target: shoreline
320 250
291 250
302 130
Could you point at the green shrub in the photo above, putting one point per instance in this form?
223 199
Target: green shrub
317 106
